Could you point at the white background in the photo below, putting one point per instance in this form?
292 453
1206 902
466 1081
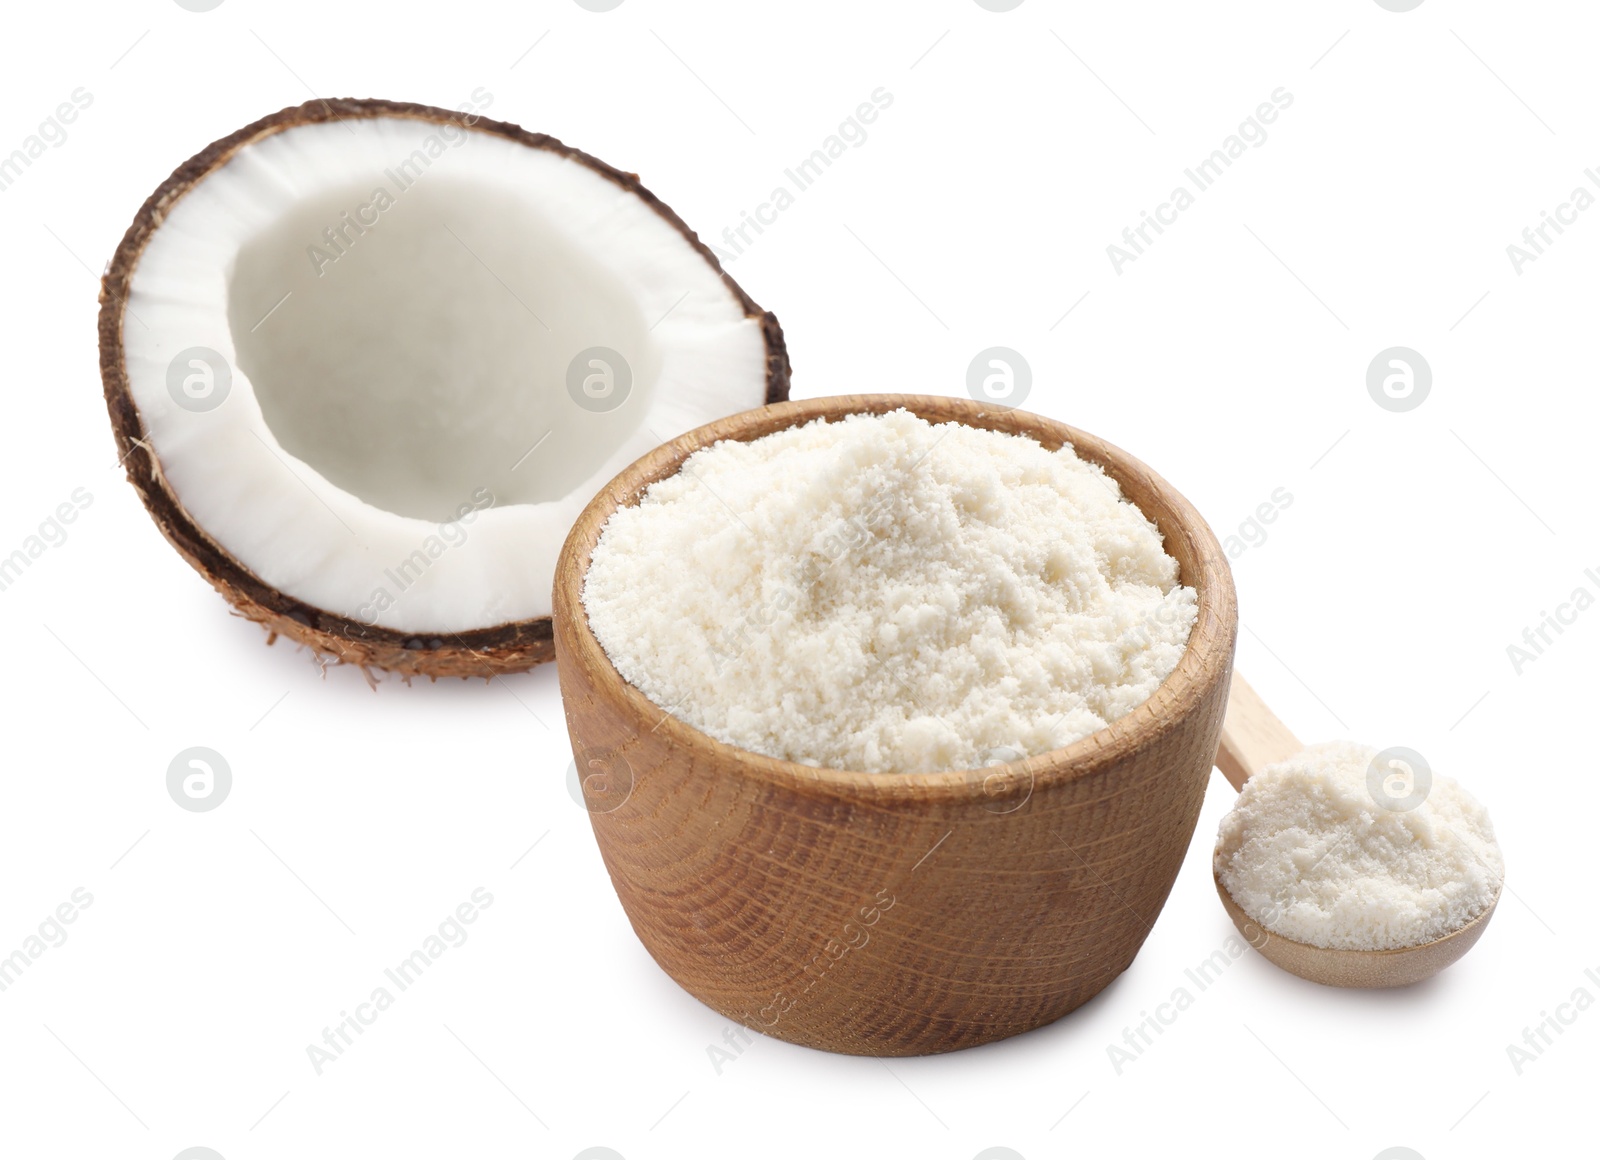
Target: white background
1231 356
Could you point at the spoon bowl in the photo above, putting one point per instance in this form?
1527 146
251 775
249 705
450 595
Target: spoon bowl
1399 967
1252 738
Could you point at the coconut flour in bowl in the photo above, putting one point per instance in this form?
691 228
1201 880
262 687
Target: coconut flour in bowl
883 594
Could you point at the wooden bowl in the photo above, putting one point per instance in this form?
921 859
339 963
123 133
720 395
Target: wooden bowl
895 914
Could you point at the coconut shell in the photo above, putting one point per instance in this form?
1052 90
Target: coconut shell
482 652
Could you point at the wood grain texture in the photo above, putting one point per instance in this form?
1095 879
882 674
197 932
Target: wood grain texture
895 914
1252 736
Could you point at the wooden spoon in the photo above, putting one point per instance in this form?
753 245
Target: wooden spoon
1253 737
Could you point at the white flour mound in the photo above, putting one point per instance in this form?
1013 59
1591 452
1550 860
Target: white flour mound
886 595
1311 854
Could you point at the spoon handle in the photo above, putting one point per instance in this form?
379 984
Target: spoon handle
1252 735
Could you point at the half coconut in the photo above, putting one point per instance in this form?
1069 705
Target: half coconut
366 362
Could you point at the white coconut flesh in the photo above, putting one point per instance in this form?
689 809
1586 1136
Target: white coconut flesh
399 303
